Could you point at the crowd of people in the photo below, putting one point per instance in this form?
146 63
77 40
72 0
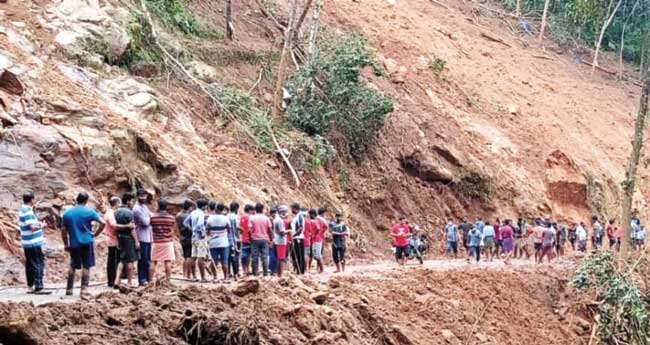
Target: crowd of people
544 239
212 235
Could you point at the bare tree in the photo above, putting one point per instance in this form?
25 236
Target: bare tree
544 17
627 19
313 33
229 25
282 66
630 176
608 20
518 8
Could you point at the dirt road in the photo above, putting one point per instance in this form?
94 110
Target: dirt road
378 270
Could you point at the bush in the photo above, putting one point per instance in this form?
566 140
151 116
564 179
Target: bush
623 308
173 14
329 98
474 185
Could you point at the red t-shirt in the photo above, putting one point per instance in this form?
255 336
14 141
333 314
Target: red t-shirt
260 227
245 232
321 226
287 225
506 232
497 231
308 231
400 241
610 231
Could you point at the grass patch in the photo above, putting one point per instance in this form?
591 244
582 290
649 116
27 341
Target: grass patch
474 185
173 14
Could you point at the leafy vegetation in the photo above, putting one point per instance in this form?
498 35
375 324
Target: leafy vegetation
311 153
173 14
474 185
623 308
437 65
329 98
580 21
143 50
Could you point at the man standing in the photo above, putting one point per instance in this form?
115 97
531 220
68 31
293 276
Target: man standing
297 232
77 235
249 210
142 220
465 226
400 233
280 237
548 242
127 240
112 228
538 235
572 236
317 232
185 237
451 237
200 249
610 234
324 225
339 233
488 236
273 257
497 238
162 227
234 239
261 237
31 239
218 226
597 235
581 234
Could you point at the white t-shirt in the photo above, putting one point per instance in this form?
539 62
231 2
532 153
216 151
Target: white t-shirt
581 233
217 226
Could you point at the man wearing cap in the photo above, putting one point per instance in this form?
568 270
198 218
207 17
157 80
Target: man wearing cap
142 220
400 233
280 236
339 232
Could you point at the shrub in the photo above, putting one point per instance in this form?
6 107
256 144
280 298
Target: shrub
311 153
173 14
474 185
329 98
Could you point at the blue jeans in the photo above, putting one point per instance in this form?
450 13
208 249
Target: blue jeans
260 248
273 260
34 267
144 262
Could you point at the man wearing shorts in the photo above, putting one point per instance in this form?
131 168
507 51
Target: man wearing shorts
249 210
451 237
217 226
317 237
400 233
548 242
465 227
597 233
234 239
127 241
77 238
185 237
162 250
339 232
581 235
280 237
573 238
200 249
489 242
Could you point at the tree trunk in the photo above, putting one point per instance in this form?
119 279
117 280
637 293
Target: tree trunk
620 55
608 20
630 175
282 66
518 8
229 26
313 34
544 16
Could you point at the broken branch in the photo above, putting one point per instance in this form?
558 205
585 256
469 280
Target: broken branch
495 39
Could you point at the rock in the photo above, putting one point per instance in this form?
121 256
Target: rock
513 109
140 99
399 76
334 283
66 38
203 71
481 337
116 41
246 286
449 337
320 297
19 25
364 299
10 83
5 62
435 100
425 168
390 65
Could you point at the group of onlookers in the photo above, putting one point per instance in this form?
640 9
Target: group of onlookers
210 233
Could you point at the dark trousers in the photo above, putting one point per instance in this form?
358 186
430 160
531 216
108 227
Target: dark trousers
298 255
144 262
233 263
34 267
260 250
111 264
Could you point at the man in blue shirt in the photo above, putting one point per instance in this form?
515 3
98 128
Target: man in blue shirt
451 235
31 239
77 237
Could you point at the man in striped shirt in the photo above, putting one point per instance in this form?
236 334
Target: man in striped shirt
31 238
162 226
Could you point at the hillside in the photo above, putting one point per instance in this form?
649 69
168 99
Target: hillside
492 129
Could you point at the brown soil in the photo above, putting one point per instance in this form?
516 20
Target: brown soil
391 306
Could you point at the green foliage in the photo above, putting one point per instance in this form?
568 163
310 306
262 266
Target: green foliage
623 308
254 118
329 98
311 153
173 14
437 65
143 49
474 185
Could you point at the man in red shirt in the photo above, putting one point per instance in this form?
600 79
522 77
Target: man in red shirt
246 238
316 229
400 233
261 237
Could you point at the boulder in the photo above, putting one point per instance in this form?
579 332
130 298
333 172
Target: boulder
320 297
203 71
246 287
